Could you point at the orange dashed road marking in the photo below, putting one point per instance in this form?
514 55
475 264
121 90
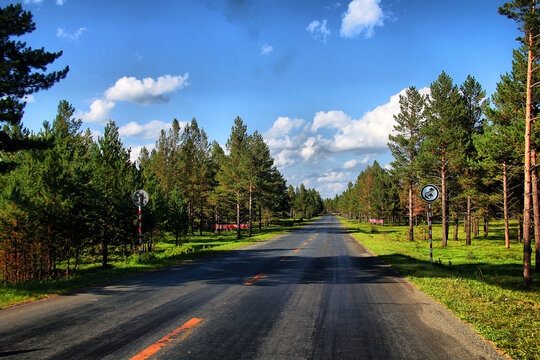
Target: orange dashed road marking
305 243
254 279
297 250
166 340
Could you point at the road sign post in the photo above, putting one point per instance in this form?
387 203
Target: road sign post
140 199
429 194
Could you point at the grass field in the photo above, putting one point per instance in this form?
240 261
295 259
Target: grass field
165 254
482 283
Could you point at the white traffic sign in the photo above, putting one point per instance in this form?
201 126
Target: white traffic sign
430 193
140 198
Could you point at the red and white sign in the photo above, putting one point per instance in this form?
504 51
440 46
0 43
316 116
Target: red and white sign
375 221
231 227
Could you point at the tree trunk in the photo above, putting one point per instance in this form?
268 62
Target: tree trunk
201 218
237 216
411 215
527 276
536 214
468 236
486 225
250 208
456 228
260 218
506 218
444 205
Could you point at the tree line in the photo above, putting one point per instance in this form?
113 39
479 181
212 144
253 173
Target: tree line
66 198
482 154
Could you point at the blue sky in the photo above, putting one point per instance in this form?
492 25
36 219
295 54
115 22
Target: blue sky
320 79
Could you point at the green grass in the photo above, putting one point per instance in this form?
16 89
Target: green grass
482 283
165 254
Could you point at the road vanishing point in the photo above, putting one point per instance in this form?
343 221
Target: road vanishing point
315 293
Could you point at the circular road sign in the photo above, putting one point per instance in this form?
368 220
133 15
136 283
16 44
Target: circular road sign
430 193
140 198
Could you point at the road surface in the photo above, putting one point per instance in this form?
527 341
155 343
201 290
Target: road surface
312 294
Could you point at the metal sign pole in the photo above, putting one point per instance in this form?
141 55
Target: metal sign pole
140 230
430 236
140 199
430 193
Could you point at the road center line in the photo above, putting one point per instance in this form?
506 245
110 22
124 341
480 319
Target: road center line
177 335
254 279
305 243
297 250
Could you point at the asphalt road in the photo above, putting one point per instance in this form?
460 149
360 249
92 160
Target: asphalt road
312 294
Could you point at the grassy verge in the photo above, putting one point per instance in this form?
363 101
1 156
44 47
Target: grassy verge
481 283
165 254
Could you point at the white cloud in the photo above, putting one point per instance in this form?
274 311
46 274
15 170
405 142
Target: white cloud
282 126
266 49
146 91
62 33
149 130
319 30
353 163
59 2
368 133
361 17
332 119
308 149
33 1
285 158
332 177
99 112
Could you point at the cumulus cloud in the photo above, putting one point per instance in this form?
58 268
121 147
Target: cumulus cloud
282 126
370 132
332 119
149 130
146 91
361 17
62 33
266 49
332 177
99 112
354 163
319 30
59 2
297 145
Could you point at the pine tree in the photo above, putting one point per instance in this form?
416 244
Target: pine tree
232 174
527 15
443 136
116 183
22 73
466 166
405 145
